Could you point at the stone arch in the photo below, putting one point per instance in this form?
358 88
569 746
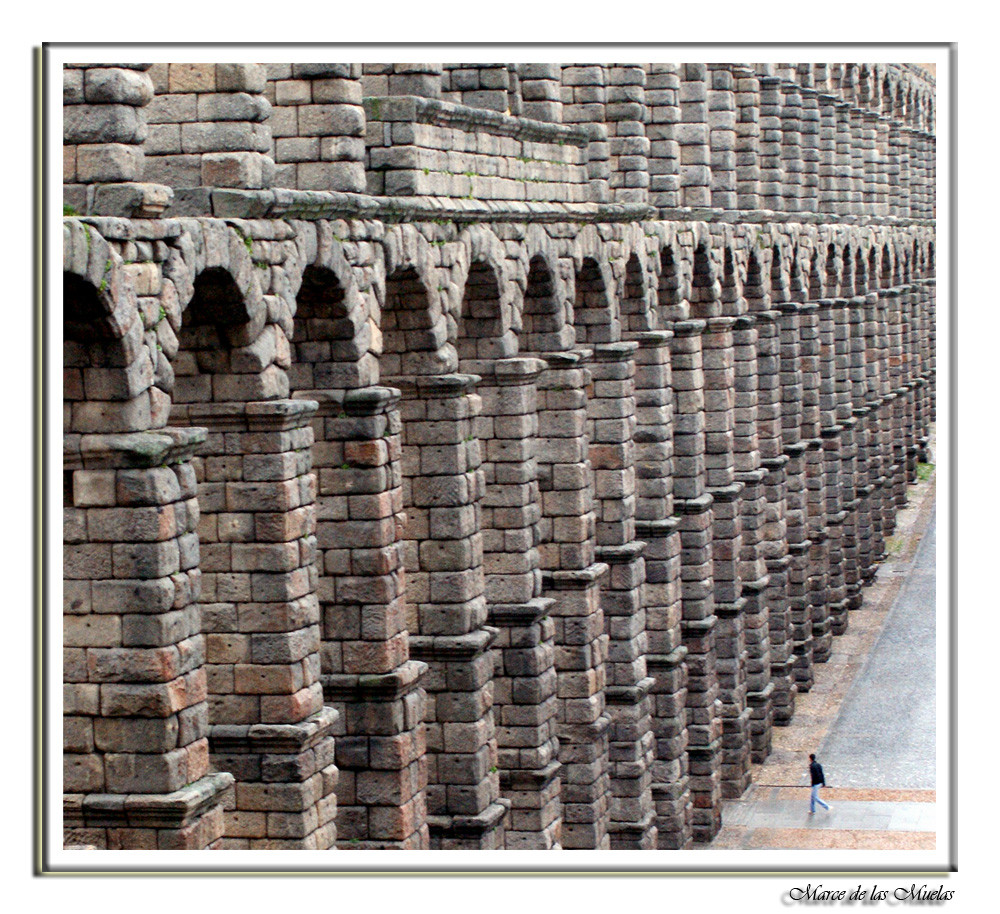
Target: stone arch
780 276
733 303
486 313
669 291
637 315
833 287
544 327
107 364
334 335
860 272
847 278
755 289
887 268
596 317
816 285
411 320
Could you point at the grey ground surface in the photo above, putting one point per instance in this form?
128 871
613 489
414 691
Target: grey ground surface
885 733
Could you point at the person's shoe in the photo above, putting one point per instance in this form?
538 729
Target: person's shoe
829 809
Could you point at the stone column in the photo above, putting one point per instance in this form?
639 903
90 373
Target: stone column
663 112
845 198
367 673
135 714
693 137
210 136
540 98
748 132
657 527
887 166
775 536
318 126
584 97
694 506
862 435
795 492
446 609
771 176
572 577
897 392
816 523
524 681
859 199
260 612
842 309
828 196
873 403
752 571
886 497
831 432
727 538
722 117
791 147
611 415
104 129
477 85
628 146
869 123
810 150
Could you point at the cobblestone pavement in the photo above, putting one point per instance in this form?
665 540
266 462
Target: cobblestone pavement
869 718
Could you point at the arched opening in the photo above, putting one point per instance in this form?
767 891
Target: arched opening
860 273
594 314
325 350
411 339
704 295
637 316
543 326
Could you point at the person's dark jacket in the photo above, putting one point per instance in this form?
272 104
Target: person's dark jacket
816 770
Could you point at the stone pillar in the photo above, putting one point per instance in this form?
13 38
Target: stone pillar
693 137
104 129
663 112
722 117
886 495
897 391
775 537
795 492
260 613
694 506
540 98
477 85
135 714
727 538
859 199
873 401
318 126
862 434
628 146
752 571
770 144
657 527
831 432
210 135
887 164
524 681
584 98
869 130
611 415
367 673
748 131
816 523
828 196
791 146
845 197
572 577
810 151
446 609
842 309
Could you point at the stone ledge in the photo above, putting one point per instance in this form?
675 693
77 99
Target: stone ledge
282 739
374 687
168 810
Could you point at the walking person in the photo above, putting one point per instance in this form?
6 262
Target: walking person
818 780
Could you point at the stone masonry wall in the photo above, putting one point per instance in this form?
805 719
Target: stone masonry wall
474 455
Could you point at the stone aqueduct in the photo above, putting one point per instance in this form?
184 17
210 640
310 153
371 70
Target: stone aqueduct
474 456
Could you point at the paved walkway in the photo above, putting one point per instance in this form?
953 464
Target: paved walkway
869 717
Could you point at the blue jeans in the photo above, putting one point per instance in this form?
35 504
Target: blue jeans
814 798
